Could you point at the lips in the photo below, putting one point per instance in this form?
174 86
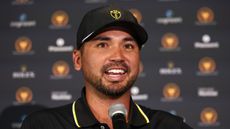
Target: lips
115 74
115 71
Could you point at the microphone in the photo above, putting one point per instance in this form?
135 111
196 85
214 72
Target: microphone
117 112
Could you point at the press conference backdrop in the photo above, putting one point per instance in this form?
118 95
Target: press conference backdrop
184 66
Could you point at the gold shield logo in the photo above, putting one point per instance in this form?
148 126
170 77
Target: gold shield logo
137 14
170 41
116 14
60 18
23 45
60 68
208 115
205 15
207 65
24 95
171 91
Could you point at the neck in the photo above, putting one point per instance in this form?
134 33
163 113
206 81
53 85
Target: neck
99 104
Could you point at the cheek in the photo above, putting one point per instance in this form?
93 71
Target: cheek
91 62
135 63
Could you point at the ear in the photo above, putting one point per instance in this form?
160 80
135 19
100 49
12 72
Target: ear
77 59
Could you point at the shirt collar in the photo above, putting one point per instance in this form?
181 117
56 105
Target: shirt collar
83 117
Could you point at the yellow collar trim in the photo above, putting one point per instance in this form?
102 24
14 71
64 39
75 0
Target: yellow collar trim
142 113
74 114
76 120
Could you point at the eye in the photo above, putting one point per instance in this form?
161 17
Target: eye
129 46
102 45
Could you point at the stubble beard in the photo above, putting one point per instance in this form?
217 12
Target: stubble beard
111 89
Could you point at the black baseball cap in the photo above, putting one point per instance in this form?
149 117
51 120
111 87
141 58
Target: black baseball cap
97 20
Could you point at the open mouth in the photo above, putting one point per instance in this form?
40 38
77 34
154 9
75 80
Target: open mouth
116 74
116 71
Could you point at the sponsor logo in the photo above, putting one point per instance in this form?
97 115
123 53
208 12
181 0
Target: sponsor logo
170 70
206 43
207 66
207 92
24 95
60 70
22 2
169 42
60 46
60 20
23 73
23 22
60 95
171 92
95 1
205 16
135 92
137 14
208 117
23 46
169 18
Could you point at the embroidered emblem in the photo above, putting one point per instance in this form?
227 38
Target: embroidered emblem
116 14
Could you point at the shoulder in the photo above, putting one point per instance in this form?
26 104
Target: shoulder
48 117
159 113
165 120
51 112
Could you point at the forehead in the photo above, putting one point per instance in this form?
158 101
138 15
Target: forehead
113 34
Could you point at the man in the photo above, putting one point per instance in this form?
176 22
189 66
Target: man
109 41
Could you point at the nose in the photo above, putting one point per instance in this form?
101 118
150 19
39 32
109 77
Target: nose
117 54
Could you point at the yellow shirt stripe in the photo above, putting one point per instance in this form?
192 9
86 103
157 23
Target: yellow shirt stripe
74 114
143 114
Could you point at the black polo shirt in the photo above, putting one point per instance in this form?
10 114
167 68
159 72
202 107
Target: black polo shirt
78 115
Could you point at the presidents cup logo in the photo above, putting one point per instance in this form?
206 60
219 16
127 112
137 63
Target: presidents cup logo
60 18
24 95
116 14
60 69
23 45
207 65
205 15
171 91
208 116
170 41
137 14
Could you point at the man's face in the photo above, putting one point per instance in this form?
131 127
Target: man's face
110 62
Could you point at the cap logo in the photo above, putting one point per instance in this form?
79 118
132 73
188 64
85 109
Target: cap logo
116 14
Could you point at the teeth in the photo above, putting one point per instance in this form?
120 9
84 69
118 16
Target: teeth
116 71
